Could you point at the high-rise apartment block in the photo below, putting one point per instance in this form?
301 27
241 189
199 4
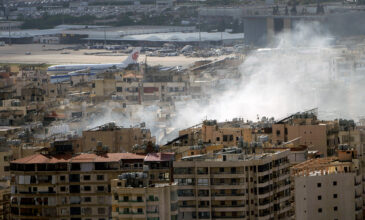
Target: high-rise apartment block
77 187
233 185
329 188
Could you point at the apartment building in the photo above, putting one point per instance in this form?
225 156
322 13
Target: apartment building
6 155
131 89
67 187
329 188
135 198
317 135
233 185
159 167
118 139
63 186
4 203
212 132
354 137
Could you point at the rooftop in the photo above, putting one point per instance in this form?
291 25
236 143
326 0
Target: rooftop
151 157
81 158
322 166
235 154
174 37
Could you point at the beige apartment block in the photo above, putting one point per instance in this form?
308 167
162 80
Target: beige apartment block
118 139
67 187
134 198
4 203
234 185
318 135
354 137
78 187
5 158
329 188
212 132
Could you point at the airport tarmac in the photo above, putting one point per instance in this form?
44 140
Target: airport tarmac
49 54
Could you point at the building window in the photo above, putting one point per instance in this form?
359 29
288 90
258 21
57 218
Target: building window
335 208
139 210
62 178
63 188
335 183
319 197
101 211
221 169
87 199
87 188
319 185
320 210
125 198
335 196
139 199
100 188
100 177
87 177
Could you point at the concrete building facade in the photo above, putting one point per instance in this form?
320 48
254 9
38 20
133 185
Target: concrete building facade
134 198
234 186
65 186
317 135
329 188
117 139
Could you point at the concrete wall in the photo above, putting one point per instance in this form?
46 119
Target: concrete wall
307 192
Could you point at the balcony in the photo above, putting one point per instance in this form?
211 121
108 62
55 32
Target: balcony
228 175
131 214
230 208
187 206
228 186
228 217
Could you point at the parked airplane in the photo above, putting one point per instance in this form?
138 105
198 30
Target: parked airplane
95 68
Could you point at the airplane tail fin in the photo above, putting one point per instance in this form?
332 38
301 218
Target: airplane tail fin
133 57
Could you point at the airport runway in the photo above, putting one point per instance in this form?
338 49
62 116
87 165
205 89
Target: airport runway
17 54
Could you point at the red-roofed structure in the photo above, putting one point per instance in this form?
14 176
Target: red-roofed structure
81 158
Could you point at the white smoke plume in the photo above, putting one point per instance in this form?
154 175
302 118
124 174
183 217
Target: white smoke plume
295 75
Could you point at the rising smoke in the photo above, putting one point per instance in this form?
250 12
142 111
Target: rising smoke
296 75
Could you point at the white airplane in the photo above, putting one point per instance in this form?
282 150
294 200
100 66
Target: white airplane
95 68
